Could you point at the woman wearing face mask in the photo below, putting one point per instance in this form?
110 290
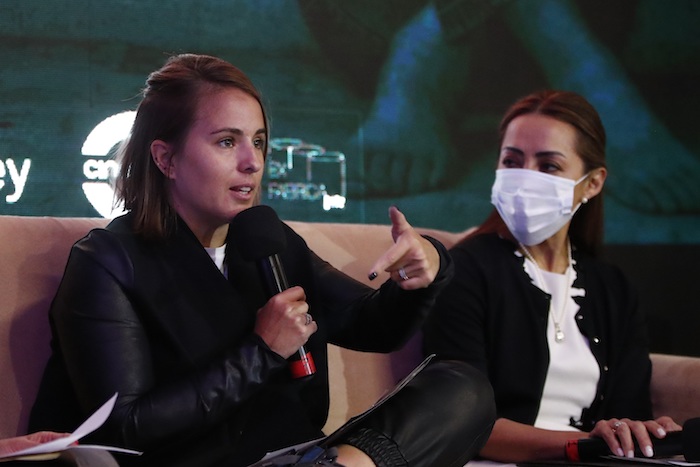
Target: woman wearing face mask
557 331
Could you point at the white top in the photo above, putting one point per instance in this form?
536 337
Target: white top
217 255
573 373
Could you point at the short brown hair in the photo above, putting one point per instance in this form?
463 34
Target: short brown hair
167 112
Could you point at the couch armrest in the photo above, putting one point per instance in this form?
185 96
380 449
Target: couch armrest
675 386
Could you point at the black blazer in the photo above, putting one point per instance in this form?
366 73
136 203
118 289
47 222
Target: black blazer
493 317
159 324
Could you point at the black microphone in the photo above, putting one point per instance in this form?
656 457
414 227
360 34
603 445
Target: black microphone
686 442
259 236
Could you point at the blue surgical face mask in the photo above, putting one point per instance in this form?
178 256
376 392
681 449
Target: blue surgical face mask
534 205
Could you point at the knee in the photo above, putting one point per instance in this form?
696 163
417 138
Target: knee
442 417
464 393
453 404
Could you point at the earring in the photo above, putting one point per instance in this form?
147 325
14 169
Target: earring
584 200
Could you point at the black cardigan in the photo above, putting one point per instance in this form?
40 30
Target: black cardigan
162 326
492 316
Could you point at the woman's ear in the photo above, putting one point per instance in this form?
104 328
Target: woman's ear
161 153
595 181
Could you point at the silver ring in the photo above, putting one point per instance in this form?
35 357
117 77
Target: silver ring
617 425
402 274
309 319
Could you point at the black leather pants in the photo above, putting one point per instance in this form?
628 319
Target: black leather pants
442 418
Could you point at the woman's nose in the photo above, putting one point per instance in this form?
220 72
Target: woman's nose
251 159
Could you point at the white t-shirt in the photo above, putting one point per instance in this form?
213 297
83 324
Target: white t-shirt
217 255
573 372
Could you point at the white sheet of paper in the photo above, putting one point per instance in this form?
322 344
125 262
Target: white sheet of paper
92 423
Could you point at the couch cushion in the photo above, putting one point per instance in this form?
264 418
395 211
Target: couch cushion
675 386
34 251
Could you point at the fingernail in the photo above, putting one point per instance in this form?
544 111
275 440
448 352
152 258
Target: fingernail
630 454
372 275
661 432
649 451
620 452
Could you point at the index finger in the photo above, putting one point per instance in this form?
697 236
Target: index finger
399 224
389 260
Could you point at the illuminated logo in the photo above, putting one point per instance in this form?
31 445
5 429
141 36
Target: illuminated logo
303 184
17 176
101 169
299 171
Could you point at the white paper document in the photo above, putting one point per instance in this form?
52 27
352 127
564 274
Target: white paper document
93 422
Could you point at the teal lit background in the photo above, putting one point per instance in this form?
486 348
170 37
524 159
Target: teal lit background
409 91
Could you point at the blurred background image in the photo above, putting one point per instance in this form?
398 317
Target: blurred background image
371 103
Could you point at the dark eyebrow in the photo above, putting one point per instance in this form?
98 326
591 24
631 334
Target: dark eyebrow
236 131
512 149
538 154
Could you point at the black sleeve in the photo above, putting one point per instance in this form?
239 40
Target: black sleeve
381 320
106 349
628 393
456 328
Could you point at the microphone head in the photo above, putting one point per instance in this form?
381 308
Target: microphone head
691 440
258 233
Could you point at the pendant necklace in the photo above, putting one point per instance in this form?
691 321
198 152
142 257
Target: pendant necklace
557 320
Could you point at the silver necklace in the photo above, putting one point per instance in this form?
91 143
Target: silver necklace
556 320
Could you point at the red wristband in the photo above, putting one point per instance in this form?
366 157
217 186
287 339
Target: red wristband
571 451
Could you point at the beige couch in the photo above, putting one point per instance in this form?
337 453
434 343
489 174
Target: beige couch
33 252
